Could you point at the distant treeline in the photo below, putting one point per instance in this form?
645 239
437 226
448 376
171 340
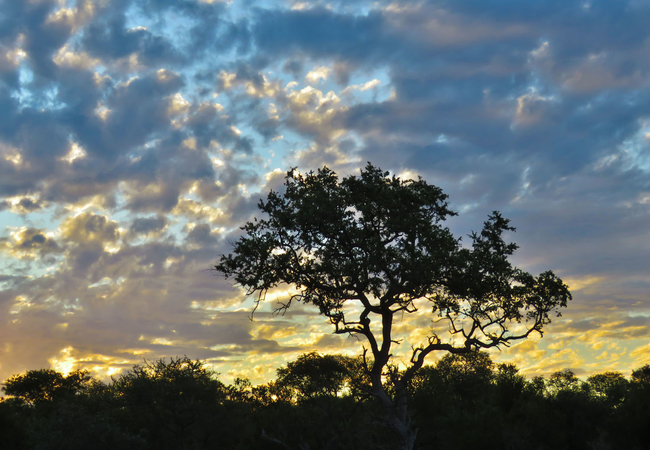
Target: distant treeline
323 402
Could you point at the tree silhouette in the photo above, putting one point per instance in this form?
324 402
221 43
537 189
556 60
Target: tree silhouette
378 242
177 403
641 375
46 385
463 402
313 375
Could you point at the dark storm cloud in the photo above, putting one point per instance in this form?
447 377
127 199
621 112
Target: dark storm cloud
110 38
201 234
42 37
321 32
27 205
387 37
581 26
40 135
138 109
206 125
146 225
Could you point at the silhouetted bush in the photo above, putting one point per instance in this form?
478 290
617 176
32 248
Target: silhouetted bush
321 402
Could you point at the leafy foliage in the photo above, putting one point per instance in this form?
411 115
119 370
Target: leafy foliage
642 375
313 375
378 241
336 242
175 403
46 385
463 402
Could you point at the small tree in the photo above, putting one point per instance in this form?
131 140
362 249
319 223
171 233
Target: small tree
176 403
46 385
378 241
641 375
314 376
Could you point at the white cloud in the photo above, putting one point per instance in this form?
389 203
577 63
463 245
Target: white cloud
315 76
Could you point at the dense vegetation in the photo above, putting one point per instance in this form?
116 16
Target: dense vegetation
324 402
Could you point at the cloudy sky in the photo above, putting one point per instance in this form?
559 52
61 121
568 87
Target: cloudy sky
136 136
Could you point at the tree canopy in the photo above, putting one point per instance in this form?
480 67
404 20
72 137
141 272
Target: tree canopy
462 402
313 375
379 241
46 384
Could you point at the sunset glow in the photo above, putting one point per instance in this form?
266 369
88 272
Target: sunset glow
136 137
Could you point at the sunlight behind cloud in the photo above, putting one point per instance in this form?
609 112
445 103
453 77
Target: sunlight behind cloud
64 362
122 180
578 284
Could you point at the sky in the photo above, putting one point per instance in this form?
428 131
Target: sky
137 136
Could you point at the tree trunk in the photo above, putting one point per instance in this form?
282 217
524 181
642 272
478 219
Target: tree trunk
406 431
396 413
408 440
407 434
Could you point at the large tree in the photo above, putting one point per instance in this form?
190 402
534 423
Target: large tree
379 242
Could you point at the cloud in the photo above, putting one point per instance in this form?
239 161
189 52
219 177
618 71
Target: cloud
317 75
29 243
640 355
148 225
137 136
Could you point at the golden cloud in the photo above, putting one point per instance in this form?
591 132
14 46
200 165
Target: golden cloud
89 227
